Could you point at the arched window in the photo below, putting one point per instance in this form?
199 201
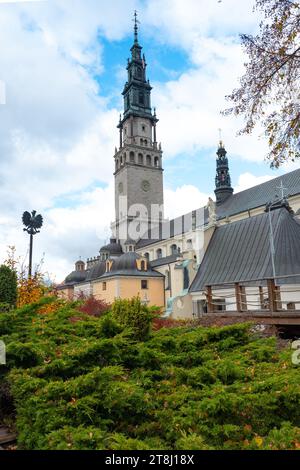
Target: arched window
141 159
159 253
117 164
148 160
131 157
143 265
186 278
174 250
146 142
189 244
141 142
156 162
147 256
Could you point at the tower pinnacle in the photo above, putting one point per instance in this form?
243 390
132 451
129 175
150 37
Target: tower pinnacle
223 181
136 22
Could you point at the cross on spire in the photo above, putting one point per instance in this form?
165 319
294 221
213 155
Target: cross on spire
282 189
220 138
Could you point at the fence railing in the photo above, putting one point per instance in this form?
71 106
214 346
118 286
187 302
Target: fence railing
269 295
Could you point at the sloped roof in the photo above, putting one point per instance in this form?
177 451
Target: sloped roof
126 265
75 278
243 201
164 261
96 271
260 195
240 251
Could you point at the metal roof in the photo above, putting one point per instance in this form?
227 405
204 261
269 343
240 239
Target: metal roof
243 201
164 261
240 251
126 265
259 195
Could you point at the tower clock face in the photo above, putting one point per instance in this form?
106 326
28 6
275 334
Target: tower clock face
120 188
145 186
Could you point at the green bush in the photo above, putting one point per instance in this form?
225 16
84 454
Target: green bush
133 314
81 382
8 286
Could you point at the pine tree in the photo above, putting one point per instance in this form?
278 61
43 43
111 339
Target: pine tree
8 286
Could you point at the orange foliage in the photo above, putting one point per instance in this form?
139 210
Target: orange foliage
50 308
30 290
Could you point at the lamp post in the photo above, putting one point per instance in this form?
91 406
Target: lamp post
33 222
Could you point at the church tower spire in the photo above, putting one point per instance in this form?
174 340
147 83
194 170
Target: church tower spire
137 89
223 181
138 161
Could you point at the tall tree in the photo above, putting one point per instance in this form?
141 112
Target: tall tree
8 285
269 90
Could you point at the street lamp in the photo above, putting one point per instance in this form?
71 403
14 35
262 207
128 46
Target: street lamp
33 222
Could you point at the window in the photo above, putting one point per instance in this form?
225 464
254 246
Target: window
141 98
159 253
131 157
144 284
140 159
189 244
143 266
143 128
148 160
147 256
156 162
104 285
186 278
174 250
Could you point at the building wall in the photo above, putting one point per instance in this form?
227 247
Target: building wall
126 288
83 289
67 293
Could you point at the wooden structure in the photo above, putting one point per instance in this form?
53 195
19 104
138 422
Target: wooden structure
6 437
270 307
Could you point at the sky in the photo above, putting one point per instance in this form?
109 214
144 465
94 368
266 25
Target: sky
62 71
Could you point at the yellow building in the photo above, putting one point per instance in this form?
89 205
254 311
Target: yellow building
121 277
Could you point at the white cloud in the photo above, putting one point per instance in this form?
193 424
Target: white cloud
247 180
183 200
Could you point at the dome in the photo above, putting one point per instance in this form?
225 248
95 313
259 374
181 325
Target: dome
96 271
113 248
76 277
126 262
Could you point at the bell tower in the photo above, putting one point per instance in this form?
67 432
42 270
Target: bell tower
223 181
138 161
